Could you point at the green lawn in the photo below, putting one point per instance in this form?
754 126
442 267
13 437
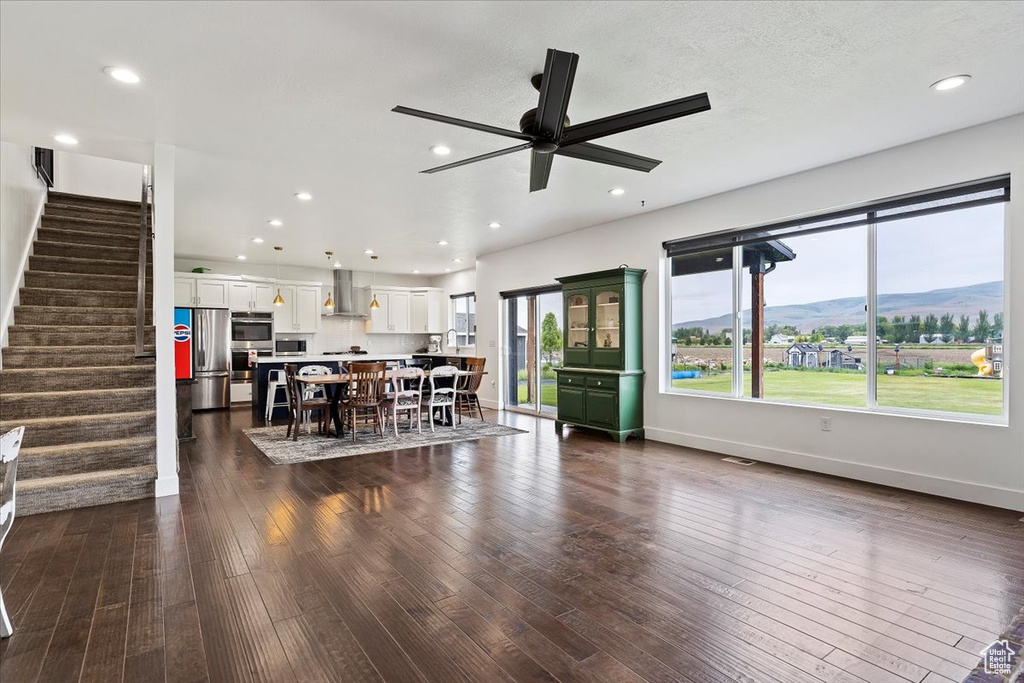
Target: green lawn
548 394
981 396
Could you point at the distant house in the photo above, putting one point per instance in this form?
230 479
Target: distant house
932 339
814 356
781 339
861 340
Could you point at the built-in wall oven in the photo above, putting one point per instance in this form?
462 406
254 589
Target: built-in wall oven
250 332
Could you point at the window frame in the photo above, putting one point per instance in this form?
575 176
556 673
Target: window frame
453 310
871 366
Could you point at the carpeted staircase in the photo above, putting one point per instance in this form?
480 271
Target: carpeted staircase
70 374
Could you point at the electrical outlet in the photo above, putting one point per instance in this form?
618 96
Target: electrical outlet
826 424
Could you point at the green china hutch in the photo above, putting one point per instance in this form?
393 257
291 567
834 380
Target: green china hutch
601 381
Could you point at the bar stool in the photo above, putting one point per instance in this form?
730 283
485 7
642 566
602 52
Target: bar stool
276 381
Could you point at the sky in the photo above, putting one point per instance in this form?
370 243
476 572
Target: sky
943 250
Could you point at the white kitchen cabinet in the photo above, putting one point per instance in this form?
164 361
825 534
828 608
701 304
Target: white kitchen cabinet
284 315
262 297
240 296
398 312
212 293
307 309
418 313
426 312
185 291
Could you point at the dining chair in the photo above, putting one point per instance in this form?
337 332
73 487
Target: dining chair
406 396
442 392
10 444
365 393
469 385
313 392
295 389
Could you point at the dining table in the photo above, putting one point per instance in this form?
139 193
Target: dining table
334 385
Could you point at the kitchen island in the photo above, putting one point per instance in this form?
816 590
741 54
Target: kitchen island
264 364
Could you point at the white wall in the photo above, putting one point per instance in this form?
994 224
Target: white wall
97 177
163 320
22 196
455 283
978 462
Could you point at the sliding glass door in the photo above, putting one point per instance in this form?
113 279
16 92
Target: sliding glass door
534 342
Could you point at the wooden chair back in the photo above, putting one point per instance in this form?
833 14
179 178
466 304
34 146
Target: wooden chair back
366 383
291 386
471 383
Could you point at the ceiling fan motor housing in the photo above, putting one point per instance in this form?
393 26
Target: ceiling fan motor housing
528 125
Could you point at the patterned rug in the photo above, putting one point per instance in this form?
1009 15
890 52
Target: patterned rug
272 443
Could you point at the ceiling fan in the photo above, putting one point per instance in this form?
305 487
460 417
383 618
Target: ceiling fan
546 130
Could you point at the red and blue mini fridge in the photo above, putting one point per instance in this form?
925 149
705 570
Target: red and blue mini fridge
183 343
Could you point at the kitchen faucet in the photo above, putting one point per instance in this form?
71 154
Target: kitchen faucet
450 330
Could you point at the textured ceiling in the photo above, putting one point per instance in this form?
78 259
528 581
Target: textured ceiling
266 99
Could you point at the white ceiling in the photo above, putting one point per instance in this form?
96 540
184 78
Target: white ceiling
266 99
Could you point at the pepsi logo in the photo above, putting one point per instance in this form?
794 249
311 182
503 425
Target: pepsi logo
182 333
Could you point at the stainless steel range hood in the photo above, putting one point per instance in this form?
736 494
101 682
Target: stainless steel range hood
346 302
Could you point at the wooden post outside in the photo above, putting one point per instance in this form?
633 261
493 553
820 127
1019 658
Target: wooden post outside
531 350
757 332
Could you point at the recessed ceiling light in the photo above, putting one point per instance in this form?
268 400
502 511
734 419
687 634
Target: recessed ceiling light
337 264
65 139
119 73
275 222
257 240
442 243
616 192
367 251
240 257
415 272
494 225
456 260
950 82
447 270
303 196
441 150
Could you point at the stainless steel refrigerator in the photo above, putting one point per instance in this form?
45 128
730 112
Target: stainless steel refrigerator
211 358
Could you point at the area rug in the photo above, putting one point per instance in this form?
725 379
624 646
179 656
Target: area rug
272 443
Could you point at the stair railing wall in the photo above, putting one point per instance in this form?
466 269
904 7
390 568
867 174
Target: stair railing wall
145 237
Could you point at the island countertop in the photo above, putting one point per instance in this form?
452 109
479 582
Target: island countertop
348 357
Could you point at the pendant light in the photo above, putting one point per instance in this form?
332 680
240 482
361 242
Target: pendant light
278 300
373 304
330 302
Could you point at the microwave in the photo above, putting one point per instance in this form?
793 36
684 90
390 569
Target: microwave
290 347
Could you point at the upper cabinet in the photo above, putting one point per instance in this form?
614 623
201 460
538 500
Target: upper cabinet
426 312
185 291
405 311
213 293
602 314
251 296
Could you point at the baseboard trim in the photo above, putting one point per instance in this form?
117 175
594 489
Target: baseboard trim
949 488
493 405
167 486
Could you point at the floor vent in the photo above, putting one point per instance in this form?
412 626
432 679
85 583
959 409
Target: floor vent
740 461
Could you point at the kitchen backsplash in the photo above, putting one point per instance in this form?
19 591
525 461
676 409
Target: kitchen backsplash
338 334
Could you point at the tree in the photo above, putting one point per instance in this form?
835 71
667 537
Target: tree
982 328
930 326
913 329
550 336
997 325
963 328
882 327
946 326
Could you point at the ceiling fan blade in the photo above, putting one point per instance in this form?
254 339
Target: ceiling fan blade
483 127
540 170
610 125
607 155
481 157
555 89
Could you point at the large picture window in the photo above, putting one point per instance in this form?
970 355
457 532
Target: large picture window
896 306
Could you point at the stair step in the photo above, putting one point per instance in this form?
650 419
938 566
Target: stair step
99 213
106 227
39 357
66 236
41 296
66 315
91 456
78 402
128 254
50 335
29 380
47 494
78 429
81 200
85 266
84 281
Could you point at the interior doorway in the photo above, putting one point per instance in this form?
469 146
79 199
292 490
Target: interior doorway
534 328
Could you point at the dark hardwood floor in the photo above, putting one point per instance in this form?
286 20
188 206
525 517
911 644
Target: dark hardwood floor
527 558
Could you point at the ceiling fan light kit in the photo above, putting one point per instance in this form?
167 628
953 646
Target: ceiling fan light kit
546 130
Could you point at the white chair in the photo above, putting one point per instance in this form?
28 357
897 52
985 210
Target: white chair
314 392
442 392
275 382
406 396
10 444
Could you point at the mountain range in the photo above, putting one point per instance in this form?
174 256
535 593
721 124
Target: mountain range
967 300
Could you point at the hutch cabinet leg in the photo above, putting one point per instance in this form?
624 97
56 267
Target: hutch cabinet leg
618 436
558 427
